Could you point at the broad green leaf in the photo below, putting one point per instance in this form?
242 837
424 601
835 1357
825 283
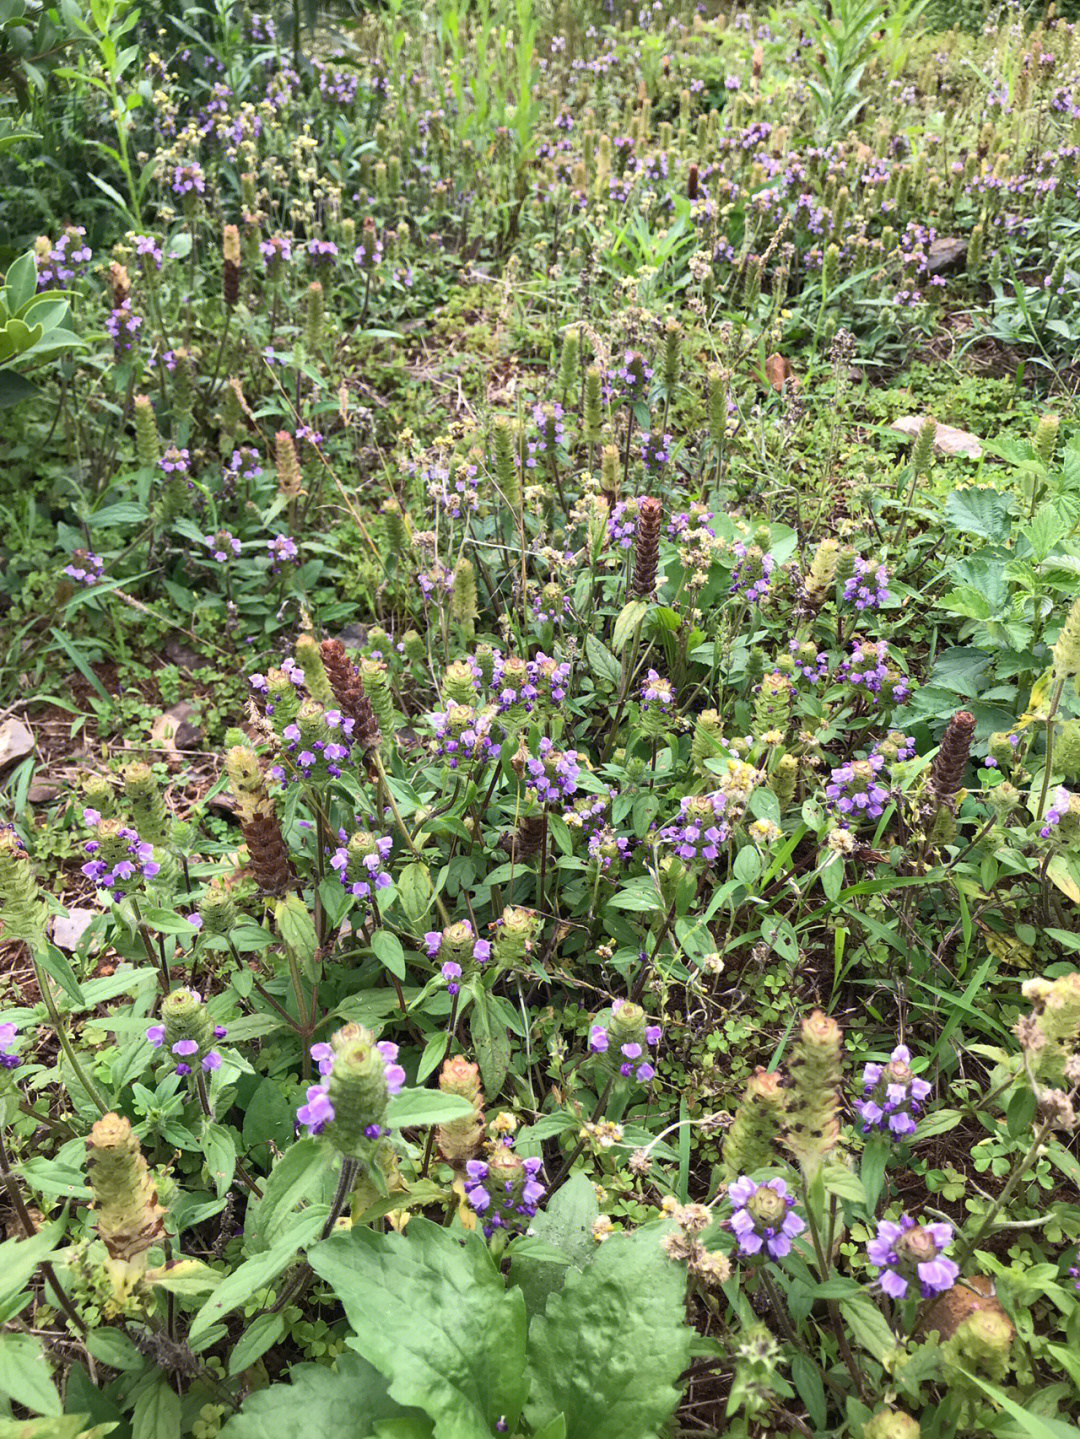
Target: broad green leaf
626 623
260 1335
602 662
415 890
296 927
388 952
256 1273
432 1314
25 1376
414 1107
347 1400
565 1226
868 1326
490 1042
609 1348
157 1412
219 1151
982 512
20 1257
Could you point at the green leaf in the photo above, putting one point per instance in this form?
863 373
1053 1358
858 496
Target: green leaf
844 1183
14 388
260 1335
256 1273
219 1151
388 952
157 1412
20 1257
167 921
603 663
414 1107
1032 1424
868 1326
565 1227
611 1345
431 1313
297 928
25 1377
348 1400
982 512
629 617
415 890
114 1348
807 1380
491 1043
20 282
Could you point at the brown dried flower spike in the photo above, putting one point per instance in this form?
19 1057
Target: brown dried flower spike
647 549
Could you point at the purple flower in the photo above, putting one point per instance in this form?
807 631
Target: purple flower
893 1095
185 1047
868 586
211 1061
451 972
395 1075
908 1252
156 1035
598 1039
318 1111
8 1035
854 790
764 1217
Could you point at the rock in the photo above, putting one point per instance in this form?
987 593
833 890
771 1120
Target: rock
947 1311
946 253
947 441
778 373
178 653
68 930
42 792
169 727
16 741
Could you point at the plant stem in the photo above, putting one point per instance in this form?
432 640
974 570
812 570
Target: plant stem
29 1230
62 1035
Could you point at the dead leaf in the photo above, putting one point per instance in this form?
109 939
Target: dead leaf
778 372
947 441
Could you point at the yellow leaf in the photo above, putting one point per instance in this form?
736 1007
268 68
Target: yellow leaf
1062 876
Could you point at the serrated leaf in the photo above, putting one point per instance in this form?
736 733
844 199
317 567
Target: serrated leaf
430 1312
610 1346
565 1227
982 512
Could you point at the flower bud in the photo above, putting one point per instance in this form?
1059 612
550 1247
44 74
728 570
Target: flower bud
515 934
147 440
461 1139
315 676
506 469
127 1215
891 1424
290 481
146 804
813 1100
22 909
593 406
750 1143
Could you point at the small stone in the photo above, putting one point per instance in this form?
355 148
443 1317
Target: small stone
42 792
68 930
946 253
164 731
947 440
16 741
178 653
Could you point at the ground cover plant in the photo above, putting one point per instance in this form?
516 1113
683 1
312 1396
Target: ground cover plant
539 720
